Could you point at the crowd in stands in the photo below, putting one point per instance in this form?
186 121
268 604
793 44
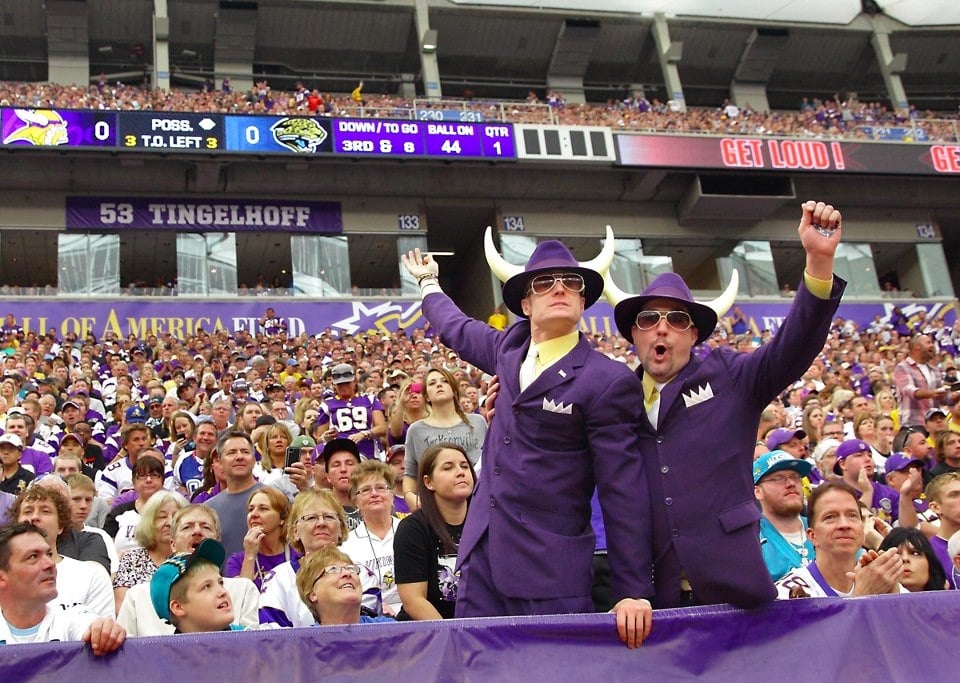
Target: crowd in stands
829 117
327 476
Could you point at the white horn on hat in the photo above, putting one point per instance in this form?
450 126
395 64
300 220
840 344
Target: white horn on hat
498 265
723 302
601 263
614 295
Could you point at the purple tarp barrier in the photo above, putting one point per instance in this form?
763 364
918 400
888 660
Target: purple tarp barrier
887 638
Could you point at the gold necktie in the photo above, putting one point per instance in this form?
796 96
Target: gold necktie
651 407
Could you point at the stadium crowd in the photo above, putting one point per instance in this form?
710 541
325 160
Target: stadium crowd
328 476
829 117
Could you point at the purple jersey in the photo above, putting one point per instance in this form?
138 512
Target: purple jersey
350 417
940 550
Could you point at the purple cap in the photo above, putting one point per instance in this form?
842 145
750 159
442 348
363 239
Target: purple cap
848 448
778 437
898 462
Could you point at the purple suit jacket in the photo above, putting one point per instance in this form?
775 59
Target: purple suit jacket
573 429
699 461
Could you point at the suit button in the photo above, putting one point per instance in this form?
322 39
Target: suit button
659 439
493 502
506 439
668 501
675 533
496 469
664 469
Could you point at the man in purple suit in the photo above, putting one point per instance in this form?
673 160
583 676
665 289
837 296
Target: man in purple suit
700 416
565 425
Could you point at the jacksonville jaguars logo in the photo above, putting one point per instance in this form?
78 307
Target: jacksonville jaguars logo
38 127
299 135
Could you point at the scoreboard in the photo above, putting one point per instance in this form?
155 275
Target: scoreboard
239 133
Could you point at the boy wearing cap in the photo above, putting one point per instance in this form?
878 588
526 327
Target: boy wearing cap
778 486
13 476
340 457
187 590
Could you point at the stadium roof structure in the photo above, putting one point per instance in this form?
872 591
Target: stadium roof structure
907 12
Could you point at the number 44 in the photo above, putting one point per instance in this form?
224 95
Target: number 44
450 147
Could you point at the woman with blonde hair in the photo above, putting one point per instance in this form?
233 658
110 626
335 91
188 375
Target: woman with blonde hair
272 469
316 521
154 536
887 405
329 585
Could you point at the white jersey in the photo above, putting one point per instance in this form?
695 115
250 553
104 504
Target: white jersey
117 477
126 538
797 580
57 625
84 584
376 555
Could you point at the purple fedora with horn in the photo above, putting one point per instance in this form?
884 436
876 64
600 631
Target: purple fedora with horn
550 256
672 287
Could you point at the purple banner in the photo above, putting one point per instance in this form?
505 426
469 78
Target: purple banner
160 213
180 318
885 638
143 317
786 154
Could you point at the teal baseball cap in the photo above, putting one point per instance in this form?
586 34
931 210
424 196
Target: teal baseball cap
175 567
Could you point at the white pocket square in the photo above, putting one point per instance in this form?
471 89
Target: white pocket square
698 395
562 408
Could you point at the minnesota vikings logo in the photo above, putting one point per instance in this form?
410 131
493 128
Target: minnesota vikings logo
39 127
299 135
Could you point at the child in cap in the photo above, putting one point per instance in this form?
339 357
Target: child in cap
187 590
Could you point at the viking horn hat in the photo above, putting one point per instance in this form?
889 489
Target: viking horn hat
550 256
670 286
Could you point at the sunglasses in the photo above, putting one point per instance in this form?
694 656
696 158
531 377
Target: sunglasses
542 284
678 320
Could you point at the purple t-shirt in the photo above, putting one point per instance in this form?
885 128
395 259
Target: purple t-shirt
263 568
940 550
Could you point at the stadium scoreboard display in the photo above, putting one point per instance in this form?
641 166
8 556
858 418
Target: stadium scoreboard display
245 134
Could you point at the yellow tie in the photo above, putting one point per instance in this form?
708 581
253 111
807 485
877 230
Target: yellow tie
650 405
528 369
